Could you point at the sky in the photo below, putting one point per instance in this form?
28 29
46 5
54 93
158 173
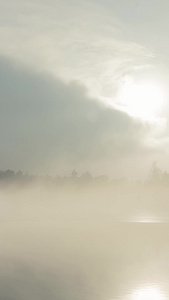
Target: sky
84 85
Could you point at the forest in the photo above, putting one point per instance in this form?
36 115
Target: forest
155 177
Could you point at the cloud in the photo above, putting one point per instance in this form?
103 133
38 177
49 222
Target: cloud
74 40
45 123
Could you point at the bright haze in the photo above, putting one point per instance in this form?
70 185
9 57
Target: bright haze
84 92
84 85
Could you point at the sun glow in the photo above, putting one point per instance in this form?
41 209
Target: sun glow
143 99
149 293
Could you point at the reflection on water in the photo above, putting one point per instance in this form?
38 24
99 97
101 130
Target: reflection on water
148 293
149 218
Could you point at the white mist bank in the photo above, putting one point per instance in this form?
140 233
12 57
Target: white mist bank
88 203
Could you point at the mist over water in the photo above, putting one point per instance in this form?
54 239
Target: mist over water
84 86
84 242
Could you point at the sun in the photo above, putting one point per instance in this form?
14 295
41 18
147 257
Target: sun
148 293
143 99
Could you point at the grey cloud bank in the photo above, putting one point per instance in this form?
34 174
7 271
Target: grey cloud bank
77 54
48 125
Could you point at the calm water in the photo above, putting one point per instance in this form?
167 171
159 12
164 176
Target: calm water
60 250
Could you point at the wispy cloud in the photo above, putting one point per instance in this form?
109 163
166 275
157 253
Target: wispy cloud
73 40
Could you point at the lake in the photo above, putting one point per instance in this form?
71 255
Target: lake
83 245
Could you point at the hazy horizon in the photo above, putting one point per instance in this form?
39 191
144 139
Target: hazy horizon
84 85
84 153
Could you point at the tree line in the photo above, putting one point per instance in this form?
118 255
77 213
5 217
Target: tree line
155 176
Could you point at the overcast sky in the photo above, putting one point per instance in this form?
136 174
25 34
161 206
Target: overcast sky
72 76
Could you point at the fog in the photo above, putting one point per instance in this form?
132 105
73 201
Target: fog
97 241
84 86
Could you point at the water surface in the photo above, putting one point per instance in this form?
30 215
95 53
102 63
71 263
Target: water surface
76 246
